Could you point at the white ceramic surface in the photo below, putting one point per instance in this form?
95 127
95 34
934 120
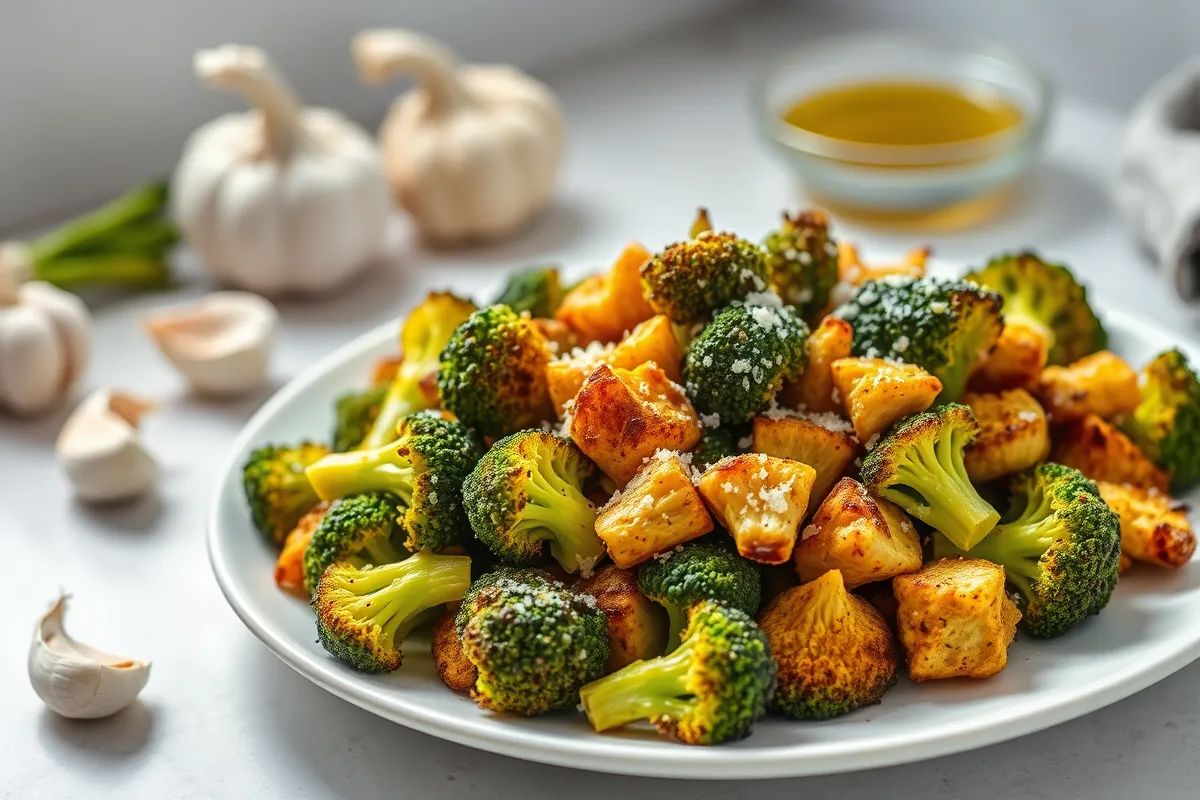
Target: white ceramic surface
1145 634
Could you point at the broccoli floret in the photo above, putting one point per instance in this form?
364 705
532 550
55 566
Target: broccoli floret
422 339
802 260
535 290
1166 423
355 413
534 641
493 373
1059 545
690 280
694 572
942 325
528 490
738 363
360 530
364 613
423 468
711 689
918 465
276 487
834 651
1048 297
719 443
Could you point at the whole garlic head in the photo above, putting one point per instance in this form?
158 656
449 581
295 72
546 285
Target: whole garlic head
100 450
283 199
473 151
221 343
78 681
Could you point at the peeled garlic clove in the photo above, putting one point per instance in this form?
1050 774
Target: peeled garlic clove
100 450
78 681
221 343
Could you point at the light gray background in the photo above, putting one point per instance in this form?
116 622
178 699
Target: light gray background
657 126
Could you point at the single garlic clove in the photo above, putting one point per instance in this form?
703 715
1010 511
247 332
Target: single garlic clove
221 343
78 681
100 450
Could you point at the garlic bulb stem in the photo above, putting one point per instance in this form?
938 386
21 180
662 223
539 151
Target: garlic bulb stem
381 54
13 267
248 72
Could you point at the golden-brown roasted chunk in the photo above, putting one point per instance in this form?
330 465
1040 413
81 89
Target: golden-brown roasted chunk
955 619
1103 453
558 335
1017 360
1101 384
289 567
621 417
1013 434
658 509
866 537
603 307
826 450
814 391
384 369
452 664
853 271
637 626
1154 527
877 393
761 500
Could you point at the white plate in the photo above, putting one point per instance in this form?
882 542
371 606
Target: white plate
1148 631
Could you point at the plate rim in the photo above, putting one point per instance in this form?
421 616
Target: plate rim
625 756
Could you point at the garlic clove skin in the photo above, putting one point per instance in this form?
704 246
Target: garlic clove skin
78 681
100 450
221 344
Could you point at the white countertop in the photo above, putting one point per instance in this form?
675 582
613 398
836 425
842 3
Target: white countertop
656 131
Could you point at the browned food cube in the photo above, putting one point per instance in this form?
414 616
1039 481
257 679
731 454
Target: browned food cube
1017 360
761 501
1013 434
1103 453
1101 384
1154 527
877 392
826 450
814 389
604 307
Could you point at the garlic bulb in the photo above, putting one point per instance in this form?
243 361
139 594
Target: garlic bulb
78 681
283 199
100 450
473 151
221 343
45 338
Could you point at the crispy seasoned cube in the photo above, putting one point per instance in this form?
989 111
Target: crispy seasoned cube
1154 527
866 537
289 568
1013 434
559 337
1101 384
955 619
603 307
1103 453
658 509
1016 361
637 626
384 370
826 450
452 664
877 393
621 417
761 500
814 389
853 271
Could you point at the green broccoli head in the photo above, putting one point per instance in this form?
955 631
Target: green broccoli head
693 572
1166 423
802 262
364 613
360 530
1059 545
493 372
918 465
718 443
422 339
423 468
534 640
944 326
690 280
355 413
535 290
527 490
1048 296
738 363
277 489
711 689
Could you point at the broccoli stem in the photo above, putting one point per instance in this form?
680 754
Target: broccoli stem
677 619
362 471
404 396
394 596
379 551
642 690
947 501
558 513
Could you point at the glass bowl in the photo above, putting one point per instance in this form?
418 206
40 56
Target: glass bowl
903 179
